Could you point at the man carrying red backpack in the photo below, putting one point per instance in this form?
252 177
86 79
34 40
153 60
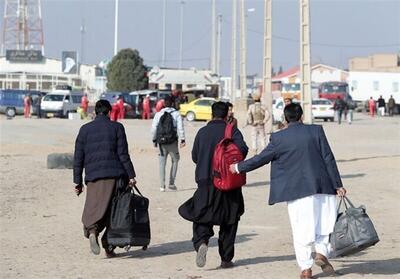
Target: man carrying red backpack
210 206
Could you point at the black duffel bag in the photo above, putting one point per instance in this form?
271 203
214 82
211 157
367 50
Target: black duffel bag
129 221
353 231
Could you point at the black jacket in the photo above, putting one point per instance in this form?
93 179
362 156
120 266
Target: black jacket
381 103
208 204
101 149
302 163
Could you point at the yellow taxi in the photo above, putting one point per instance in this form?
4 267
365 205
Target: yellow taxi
199 109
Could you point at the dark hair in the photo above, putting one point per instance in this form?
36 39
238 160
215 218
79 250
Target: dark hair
168 101
102 107
293 112
220 110
230 105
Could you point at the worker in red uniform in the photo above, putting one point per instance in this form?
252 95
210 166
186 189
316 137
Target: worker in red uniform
372 107
27 106
114 115
160 105
146 108
84 105
121 108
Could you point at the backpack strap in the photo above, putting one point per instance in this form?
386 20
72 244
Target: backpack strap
228 131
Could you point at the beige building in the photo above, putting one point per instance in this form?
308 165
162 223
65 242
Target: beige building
376 63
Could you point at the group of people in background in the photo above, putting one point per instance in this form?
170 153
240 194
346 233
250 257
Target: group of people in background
379 106
344 108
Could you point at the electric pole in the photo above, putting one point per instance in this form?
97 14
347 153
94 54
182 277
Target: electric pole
243 78
116 28
234 51
164 39
83 31
181 36
267 65
219 36
305 63
213 65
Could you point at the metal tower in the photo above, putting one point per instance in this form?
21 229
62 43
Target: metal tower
22 26
234 50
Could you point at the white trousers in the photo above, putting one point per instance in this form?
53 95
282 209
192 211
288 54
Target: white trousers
381 111
312 219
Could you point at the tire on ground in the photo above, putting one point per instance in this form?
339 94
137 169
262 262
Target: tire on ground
60 161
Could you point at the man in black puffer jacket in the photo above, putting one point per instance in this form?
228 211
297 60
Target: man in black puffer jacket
101 149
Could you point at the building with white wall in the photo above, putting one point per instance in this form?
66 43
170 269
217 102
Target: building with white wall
45 74
182 79
363 85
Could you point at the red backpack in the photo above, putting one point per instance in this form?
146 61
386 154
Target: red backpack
225 154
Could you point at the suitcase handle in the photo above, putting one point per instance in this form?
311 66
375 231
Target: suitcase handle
137 190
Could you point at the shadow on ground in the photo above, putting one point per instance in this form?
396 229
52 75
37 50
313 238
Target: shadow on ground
174 248
355 175
257 184
366 158
261 260
377 267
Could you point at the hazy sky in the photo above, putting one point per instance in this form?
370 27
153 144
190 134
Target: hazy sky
340 29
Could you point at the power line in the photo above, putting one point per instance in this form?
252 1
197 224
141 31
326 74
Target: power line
175 60
283 38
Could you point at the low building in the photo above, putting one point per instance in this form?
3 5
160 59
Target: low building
319 73
45 74
373 76
383 62
182 79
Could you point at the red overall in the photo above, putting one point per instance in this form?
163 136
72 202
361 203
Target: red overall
146 108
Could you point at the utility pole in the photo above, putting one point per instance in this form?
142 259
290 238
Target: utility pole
116 28
267 65
219 35
164 42
243 78
83 31
213 65
305 63
181 36
234 51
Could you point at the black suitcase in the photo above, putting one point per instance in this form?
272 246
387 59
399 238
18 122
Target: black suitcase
129 222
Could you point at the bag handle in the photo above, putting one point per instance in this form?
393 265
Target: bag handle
347 203
137 190
228 131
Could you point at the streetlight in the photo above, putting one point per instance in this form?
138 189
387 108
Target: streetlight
164 43
116 28
181 36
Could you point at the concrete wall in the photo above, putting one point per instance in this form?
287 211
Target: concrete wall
376 63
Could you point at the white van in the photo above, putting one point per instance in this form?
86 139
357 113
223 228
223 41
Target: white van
60 103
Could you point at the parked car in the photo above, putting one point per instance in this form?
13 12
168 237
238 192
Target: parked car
323 109
12 101
199 109
60 102
135 98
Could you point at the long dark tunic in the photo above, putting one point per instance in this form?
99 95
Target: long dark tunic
208 204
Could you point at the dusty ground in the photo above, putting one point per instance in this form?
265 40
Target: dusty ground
40 229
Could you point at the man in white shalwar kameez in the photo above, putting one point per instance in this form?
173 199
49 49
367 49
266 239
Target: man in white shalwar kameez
304 174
